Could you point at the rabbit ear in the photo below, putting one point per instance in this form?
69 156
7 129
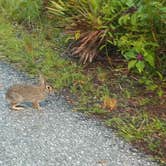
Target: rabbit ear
42 80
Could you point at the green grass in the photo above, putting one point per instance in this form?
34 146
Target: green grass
21 11
33 52
144 129
138 126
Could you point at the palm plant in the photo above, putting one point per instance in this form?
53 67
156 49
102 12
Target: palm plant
82 19
136 27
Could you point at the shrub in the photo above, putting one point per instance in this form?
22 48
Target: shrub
136 28
82 19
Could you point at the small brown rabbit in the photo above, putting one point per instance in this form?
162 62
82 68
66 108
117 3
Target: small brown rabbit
28 93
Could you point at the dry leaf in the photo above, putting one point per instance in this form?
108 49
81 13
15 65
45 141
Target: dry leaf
109 103
29 47
103 162
74 110
69 100
102 77
77 82
1 85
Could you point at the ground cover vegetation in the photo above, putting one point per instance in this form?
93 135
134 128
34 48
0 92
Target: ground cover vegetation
125 83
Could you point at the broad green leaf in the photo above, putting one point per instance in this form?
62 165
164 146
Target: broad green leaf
133 19
149 57
140 66
131 64
130 55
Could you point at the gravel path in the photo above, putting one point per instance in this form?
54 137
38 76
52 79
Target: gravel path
57 136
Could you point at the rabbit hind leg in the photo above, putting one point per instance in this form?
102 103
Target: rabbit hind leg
14 106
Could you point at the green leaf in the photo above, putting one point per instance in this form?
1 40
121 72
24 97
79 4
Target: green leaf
102 46
160 92
152 87
140 66
77 35
94 5
134 19
124 19
149 57
129 3
131 64
130 55
160 75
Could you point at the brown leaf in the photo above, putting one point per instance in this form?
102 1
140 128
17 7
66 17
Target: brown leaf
103 162
78 82
29 47
1 86
109 103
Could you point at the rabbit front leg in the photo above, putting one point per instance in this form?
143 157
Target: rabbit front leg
36 105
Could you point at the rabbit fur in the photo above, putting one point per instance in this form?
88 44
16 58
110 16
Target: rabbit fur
20 93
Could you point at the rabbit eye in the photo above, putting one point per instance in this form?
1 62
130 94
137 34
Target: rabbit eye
48 87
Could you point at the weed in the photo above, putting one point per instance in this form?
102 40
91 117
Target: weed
141 128
21 11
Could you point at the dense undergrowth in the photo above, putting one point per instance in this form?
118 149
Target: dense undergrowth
136 28
104 88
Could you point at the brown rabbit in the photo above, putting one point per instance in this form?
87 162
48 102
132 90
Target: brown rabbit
28 93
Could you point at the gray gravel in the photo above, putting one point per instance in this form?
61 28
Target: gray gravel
57 136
